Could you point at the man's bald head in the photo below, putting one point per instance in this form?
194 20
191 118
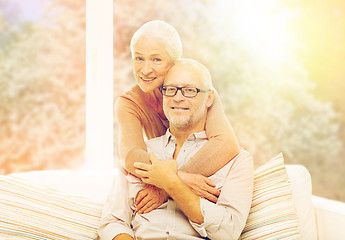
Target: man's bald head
197 68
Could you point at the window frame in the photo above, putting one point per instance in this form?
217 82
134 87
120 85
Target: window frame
99 132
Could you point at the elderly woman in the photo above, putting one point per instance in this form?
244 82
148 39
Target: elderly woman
155 47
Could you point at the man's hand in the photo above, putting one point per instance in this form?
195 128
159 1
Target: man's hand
163 174
200 185
149 199
158 173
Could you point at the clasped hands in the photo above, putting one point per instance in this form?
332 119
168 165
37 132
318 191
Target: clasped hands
159 174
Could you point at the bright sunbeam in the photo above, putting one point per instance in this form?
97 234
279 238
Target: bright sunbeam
260 26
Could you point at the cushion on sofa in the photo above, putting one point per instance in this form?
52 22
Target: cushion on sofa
273 213
32 211
302 194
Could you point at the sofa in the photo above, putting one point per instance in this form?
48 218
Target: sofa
67 204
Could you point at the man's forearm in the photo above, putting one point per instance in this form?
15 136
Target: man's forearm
188 202
134 155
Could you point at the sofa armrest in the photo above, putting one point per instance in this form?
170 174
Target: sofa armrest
330 218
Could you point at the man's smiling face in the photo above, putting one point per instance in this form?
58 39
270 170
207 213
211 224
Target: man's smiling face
184 112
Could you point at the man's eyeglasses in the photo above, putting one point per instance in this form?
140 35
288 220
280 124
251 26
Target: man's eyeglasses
190 92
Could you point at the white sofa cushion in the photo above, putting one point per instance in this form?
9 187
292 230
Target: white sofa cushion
330 218
302 194
273 213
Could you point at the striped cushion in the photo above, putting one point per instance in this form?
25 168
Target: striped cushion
31 211
273 213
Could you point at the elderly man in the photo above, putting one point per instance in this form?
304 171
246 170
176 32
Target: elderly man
187 94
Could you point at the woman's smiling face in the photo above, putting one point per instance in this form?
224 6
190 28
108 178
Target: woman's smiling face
151 63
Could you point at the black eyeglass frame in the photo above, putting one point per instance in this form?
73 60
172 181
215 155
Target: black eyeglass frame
182 91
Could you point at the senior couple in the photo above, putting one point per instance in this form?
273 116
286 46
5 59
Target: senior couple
190 179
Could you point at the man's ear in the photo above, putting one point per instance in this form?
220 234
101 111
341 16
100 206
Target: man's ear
210 98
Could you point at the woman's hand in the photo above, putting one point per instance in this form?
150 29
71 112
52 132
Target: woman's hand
160 173
200 185
150 198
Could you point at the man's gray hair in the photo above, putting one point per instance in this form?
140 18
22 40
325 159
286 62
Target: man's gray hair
163 32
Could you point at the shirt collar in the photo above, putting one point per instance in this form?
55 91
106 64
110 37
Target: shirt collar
168 137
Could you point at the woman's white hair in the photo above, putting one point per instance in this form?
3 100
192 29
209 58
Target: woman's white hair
163 32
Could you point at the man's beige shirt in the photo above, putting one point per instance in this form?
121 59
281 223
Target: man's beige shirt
223 220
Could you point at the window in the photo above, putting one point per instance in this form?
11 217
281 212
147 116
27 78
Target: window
51 118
